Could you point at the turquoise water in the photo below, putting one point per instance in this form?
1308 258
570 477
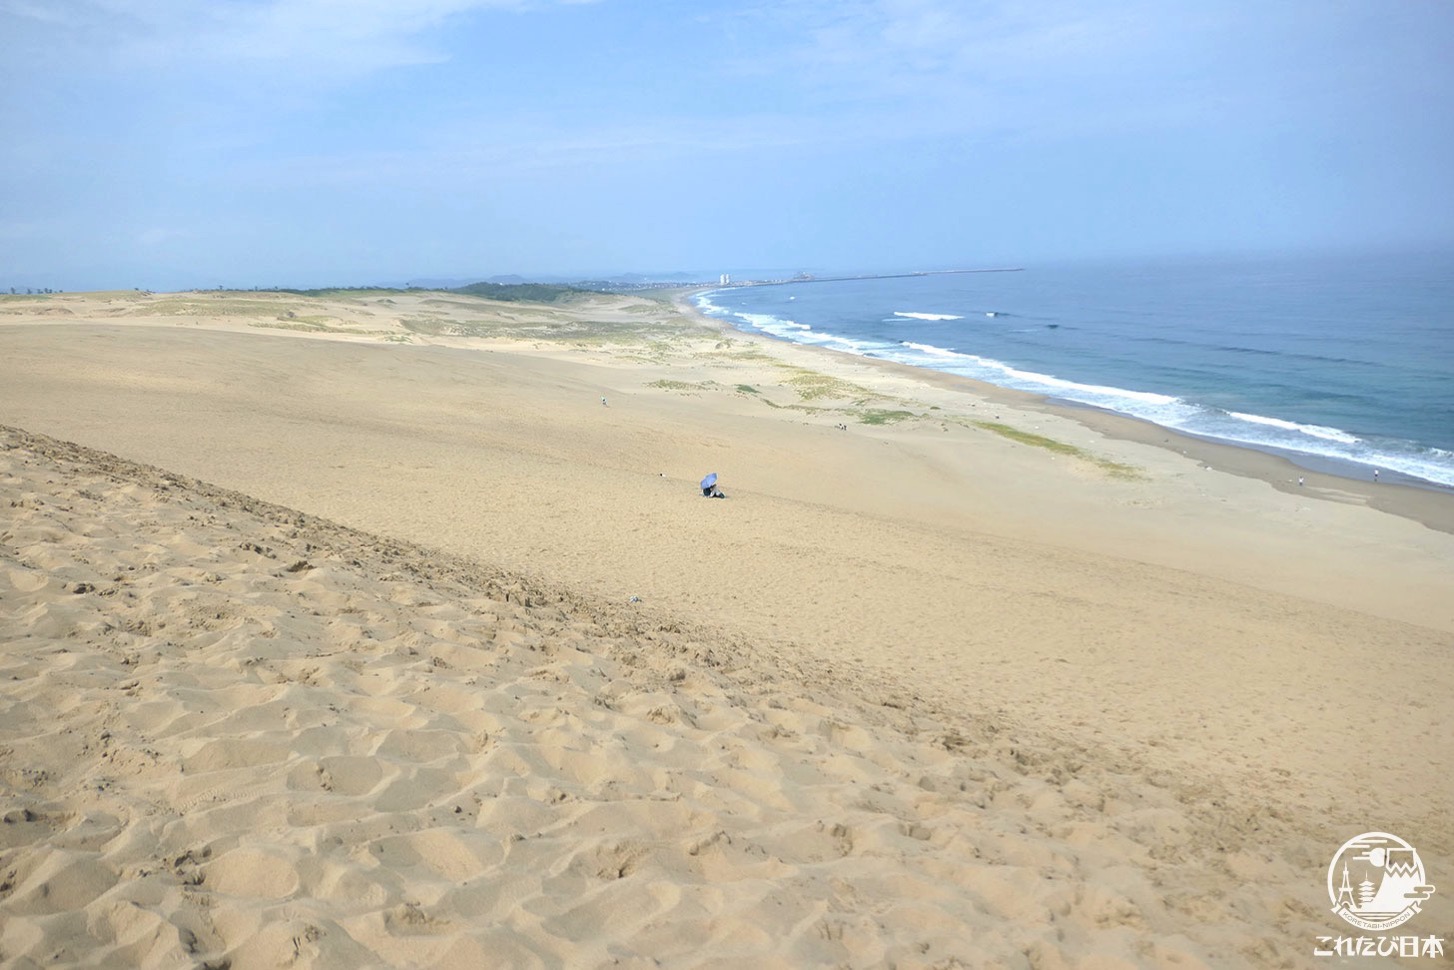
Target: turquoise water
1348 360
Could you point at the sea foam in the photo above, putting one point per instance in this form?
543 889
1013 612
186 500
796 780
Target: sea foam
1169 411
1316 431
926 316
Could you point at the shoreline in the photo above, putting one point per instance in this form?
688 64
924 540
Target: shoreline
1428 503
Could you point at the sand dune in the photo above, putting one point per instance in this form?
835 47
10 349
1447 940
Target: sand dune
235 731
500 708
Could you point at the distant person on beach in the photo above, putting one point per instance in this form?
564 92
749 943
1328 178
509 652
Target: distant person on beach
709 487
603 402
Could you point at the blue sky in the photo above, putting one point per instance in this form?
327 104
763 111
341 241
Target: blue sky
178 143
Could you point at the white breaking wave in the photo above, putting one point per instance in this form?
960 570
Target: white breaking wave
772 324
1437 467
1030 380
802 333
1430 464
926 316
1316 430
934 351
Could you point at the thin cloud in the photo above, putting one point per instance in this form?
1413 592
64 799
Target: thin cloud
519 150
342 39
957 66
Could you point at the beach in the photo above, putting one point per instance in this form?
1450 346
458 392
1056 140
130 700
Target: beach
393 629
1339 365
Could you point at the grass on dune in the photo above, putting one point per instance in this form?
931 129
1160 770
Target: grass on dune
1029 438
685 387
812 386
324 325
1113 468
219 307
564 329
883 416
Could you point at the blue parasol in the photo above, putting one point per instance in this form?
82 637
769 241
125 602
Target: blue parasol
710 480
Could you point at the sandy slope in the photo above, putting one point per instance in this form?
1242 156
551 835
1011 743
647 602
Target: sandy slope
915 693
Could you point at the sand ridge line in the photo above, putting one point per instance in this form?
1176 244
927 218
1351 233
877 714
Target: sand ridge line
236 732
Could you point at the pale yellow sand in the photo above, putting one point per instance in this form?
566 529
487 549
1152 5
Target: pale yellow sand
914 693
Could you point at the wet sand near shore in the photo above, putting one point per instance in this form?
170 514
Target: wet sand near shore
1424 502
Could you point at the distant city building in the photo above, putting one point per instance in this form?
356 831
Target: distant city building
724 279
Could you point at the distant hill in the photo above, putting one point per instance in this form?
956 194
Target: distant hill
524 292
613 283
517 289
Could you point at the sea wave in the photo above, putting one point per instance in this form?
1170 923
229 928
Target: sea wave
1429 464
926 316
794 331
771 324
1317 431
1169 411
1032 381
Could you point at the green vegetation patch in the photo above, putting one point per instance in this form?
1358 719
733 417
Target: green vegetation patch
319 325
527 292
1029 438
812 385
882 416
684 386
750 354
211 307
1113 468
1120 470
296 325
747 389
548 327
804 408
433 328
342 291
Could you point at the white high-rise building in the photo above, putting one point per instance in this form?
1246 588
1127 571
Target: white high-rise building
724 279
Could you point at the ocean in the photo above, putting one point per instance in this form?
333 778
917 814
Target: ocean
1343 363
